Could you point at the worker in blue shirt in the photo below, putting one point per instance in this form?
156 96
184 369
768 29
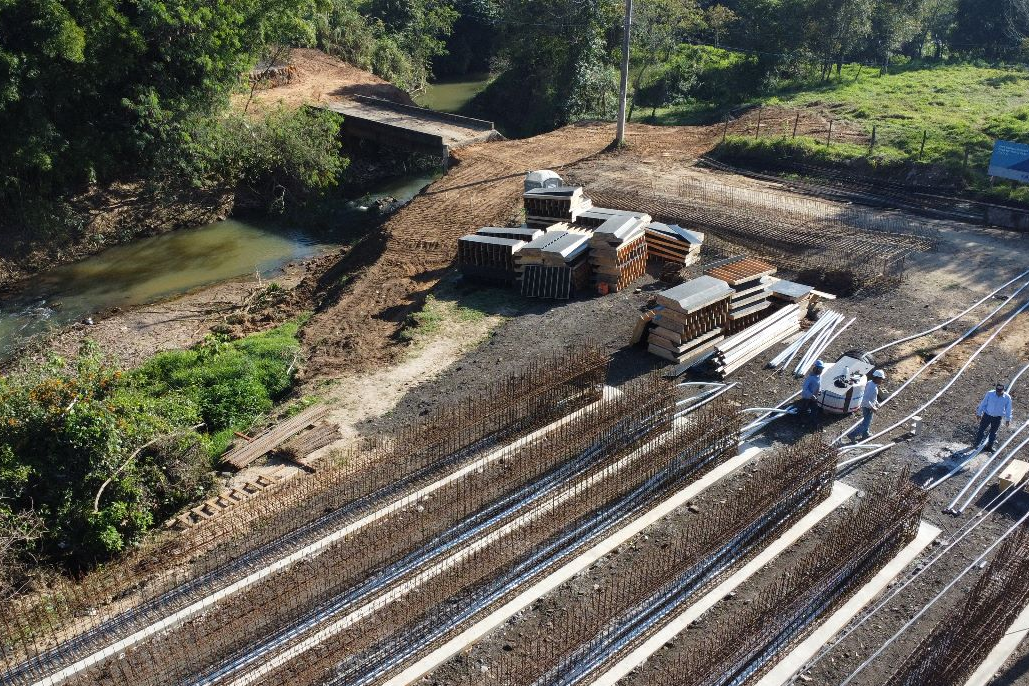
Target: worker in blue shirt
810 391
869 406
995 405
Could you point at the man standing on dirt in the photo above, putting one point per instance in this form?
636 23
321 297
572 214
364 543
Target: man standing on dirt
810 391
869 406
995 405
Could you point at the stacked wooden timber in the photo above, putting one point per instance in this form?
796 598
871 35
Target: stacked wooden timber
618 253
735 351
271 439
517 233
673 243
783 292
688 319
488 259
556 264
747 277
595 216
547 206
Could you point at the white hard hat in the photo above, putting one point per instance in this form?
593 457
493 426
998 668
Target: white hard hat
878 374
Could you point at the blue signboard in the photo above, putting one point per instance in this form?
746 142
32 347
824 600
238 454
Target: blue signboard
1010 161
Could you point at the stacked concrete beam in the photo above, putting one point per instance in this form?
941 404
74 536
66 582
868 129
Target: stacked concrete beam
618 252
689 319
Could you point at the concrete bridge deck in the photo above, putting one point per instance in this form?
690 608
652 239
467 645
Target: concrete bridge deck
406 126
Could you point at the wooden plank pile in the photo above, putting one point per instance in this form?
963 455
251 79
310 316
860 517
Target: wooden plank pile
618 252
733 352
547 206
673 243
488 259
556 264
783 292
689 319
747 276
239 457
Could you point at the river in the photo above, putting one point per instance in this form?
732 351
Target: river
450 95
152 269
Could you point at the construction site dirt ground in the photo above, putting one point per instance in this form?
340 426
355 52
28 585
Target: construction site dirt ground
361 359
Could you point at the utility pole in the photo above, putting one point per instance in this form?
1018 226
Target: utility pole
624 90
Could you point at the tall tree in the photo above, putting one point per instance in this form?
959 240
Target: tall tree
657 29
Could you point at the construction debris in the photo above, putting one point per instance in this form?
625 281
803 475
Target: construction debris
271 439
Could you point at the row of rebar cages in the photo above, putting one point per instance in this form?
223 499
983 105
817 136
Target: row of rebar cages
738 647
590 630
854 248
956 647
45 631
606 462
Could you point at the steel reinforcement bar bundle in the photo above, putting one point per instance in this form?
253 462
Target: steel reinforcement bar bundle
953 651
539 539
741 644
594 629
43 633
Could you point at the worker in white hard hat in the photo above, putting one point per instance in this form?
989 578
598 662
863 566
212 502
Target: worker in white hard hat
869 405
810 391
995 406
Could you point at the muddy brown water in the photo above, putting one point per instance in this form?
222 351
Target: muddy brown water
156 268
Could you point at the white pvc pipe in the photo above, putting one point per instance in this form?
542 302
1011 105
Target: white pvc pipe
975 477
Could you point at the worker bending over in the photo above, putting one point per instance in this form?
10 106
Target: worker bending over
995 405
869 406
810 391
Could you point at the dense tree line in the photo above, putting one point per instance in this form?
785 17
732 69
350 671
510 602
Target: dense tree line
548 51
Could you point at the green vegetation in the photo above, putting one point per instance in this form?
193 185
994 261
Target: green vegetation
91 456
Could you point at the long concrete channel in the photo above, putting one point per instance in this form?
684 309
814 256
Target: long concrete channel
264 568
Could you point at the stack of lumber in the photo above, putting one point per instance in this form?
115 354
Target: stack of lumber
783 292
673 243
618 253
595 216
747 277
556 264
547 206
688 319
735 351
271 439
517 233
488 259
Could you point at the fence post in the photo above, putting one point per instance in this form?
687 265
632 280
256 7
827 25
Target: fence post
757 131
922 148
725 129
871 145
966 155
795 122
828 138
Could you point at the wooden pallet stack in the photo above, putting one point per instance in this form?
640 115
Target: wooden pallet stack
733 352
488 259
673 243
618 253
747 277
556 264
545 207
688 319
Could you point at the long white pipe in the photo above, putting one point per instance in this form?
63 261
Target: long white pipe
989 478
943 352
975 477
953 319
956 538
925 608
957 376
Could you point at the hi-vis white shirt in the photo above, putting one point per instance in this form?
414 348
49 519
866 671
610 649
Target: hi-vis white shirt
870 399
996 405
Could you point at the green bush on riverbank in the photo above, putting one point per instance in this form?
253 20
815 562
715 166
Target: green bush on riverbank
68 427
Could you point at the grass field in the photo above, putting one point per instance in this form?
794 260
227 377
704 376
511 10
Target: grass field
959 108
